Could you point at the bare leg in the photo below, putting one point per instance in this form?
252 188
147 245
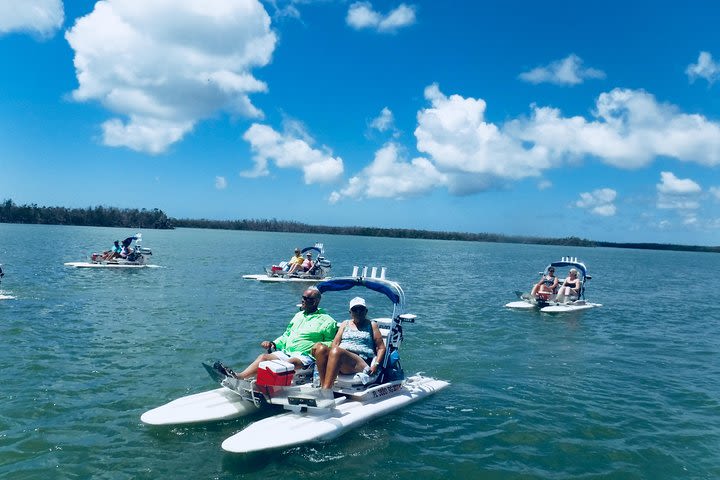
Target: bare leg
321 353
253 367
341 361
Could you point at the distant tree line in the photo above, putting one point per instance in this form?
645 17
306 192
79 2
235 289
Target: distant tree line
92 216
297 227
134 218
660 246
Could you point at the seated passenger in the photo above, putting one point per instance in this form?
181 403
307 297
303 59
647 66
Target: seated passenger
125 251
295 261
571 285
113 252
308 263
308 328
358 347
546 287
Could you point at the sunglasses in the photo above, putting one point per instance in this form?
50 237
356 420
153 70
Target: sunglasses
308 299
358 309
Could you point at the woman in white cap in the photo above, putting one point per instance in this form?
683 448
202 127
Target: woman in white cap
358 347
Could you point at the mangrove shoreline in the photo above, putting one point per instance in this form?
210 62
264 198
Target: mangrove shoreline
157 219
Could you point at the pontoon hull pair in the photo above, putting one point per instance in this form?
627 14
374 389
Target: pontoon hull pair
284 279
288 429
310 418
108 265
552 307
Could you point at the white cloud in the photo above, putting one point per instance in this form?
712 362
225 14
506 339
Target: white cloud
384 121
391 176
362 15
544 184
568 71
284 8
471 151
677 193
705 68
469 154
220 183
630 130
39 17
715 192
291 150
671 185
599 202
164 65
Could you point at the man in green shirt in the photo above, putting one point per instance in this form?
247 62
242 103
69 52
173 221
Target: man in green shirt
308 327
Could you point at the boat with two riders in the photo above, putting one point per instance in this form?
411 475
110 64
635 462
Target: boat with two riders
318 269
124 254
308 415
557 296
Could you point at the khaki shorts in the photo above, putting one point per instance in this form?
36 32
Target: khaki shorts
306 360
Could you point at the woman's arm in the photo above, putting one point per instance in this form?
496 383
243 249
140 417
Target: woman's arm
338 336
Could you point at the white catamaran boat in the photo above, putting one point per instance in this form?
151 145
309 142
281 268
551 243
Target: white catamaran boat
308 418
562 299
135 259
280 273
2 295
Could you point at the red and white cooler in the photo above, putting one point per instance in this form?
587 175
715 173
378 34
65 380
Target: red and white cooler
275 373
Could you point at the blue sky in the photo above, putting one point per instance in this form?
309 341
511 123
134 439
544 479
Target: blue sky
520 117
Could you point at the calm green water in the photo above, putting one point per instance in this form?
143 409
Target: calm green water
627 391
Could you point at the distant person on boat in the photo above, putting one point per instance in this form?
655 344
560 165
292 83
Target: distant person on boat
113 252
295 262
308 265
309 327
126 251
357 347
571 285
547 285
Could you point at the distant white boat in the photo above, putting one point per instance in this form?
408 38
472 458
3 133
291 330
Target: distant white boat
558 302
2 295
136 259
280 273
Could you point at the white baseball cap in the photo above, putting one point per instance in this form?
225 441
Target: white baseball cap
357 301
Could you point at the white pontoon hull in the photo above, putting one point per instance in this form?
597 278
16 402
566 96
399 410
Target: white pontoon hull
521 305
278 279
219 404
108 265
569 307
552 307
316 425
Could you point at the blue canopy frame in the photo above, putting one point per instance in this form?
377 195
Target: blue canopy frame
390 289
564 263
